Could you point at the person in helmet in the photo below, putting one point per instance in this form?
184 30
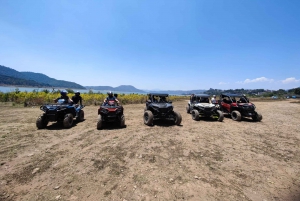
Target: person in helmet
110 97
244 99
213 99
64 96
77 98
192 98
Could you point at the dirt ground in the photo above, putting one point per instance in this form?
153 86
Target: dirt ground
205 160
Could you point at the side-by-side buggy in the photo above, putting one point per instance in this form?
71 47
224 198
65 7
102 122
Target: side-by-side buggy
158 107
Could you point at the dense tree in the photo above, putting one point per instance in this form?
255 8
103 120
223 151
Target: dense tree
297 91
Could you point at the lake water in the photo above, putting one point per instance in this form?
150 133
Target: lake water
6 89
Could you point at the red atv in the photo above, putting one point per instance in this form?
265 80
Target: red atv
238 108
110 112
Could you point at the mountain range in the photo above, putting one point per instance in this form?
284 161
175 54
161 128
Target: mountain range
13 77
9 76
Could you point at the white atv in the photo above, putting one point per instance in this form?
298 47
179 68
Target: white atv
200 106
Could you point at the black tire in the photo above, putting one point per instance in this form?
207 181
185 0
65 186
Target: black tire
68 120
257 117
99 122
236 115
148 118
195 115
188 109
178 118
122 121
41 122
80 116
220 115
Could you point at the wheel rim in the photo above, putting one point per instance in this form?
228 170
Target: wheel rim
146 117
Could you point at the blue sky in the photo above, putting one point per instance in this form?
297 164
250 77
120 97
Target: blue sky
155 44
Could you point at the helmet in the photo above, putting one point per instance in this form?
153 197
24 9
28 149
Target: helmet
77 93
110 94
214 96
244 94
63 93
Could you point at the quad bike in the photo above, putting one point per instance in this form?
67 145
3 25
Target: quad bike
160 109
110 112
61 113
200 106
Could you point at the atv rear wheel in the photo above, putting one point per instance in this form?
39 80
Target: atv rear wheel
236 115
257 117
122 121
220 115
148 118
41 121
99 122
80 116
68 120
188 109
177 119
195 115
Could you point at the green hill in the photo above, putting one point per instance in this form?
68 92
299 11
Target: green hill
7 80
41 78
33 79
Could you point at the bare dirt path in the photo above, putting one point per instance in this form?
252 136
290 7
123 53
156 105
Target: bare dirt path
205 160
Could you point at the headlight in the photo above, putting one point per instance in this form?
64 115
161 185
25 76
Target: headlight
156 108
103 110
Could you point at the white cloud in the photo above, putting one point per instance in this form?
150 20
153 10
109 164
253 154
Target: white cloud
259 79
290 80
223 83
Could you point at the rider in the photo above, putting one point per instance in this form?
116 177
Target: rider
77 98
110 97
192 98
63 96
213 100
244 99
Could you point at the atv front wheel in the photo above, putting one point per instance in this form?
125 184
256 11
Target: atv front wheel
195 115
236 115
122 121
68 120
188 109
257 117
148 118
99 122
220 115
178 118
41 122
80 116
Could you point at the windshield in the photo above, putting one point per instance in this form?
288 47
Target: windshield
202 99
159 99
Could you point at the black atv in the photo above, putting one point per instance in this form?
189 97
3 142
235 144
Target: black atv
158 107
59 112
110 112
238 106
200 106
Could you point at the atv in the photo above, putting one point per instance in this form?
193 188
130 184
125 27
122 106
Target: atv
110 111
60 112
200 106
237 109
158 107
